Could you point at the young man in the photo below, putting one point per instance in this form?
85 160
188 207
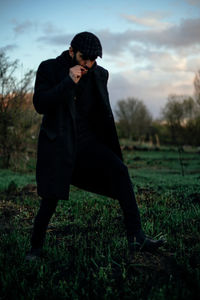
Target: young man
78 142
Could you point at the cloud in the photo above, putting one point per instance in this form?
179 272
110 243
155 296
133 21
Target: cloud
148 21
27 26
160 60
184 35
49 28
193 64
111 42
167 62
193 2
9 47
152 87
56 39
22 27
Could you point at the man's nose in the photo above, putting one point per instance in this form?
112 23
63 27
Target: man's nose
88 63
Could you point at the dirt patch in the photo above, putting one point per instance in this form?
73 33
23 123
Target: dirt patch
8 210
14 191
29 189
158 261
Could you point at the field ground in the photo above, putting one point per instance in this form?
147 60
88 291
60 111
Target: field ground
85 252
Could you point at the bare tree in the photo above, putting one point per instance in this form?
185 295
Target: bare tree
181 113
133 117
179 109
17 116
197 86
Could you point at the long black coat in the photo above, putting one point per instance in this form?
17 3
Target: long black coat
54 97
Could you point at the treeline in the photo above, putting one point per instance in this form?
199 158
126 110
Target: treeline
19 122
178 125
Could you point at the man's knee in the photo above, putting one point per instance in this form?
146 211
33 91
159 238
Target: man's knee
49 203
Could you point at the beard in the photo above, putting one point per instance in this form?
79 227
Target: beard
75 62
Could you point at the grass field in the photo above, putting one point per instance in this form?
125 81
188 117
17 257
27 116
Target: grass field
85 252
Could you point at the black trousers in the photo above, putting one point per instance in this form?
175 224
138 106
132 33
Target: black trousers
94 157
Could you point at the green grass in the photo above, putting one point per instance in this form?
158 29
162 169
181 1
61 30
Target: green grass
85 252
8 177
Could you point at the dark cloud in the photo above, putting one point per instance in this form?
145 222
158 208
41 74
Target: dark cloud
27 26
56 39
49 28
184 35
193 2
22 27
112 42
9 47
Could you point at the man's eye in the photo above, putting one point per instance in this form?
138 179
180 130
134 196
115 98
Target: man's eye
84 57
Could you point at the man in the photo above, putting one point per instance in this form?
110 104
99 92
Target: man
78 142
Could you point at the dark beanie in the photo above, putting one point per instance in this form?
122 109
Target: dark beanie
87 43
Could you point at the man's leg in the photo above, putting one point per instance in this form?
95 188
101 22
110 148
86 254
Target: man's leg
97 163
45 212
121 184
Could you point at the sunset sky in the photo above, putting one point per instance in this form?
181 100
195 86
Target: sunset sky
151 48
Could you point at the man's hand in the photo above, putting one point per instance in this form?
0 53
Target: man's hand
76 73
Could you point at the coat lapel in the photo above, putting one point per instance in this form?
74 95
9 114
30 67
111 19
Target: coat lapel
62 72
102 89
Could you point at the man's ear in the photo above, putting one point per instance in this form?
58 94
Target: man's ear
71 52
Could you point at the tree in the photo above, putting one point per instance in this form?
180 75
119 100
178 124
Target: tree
197 86
180 113
17 116
133 117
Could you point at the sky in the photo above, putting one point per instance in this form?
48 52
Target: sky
150 48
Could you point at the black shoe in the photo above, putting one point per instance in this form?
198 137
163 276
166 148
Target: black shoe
34 254
140 242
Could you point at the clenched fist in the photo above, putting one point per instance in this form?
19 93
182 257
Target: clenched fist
76 72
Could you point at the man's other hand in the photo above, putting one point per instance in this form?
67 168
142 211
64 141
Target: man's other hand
76 73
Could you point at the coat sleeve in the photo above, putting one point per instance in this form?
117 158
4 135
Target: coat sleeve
108 98
46 98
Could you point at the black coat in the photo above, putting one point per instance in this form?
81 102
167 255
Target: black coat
54 98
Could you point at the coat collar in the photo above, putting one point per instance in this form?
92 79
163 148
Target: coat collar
65 62
64 59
